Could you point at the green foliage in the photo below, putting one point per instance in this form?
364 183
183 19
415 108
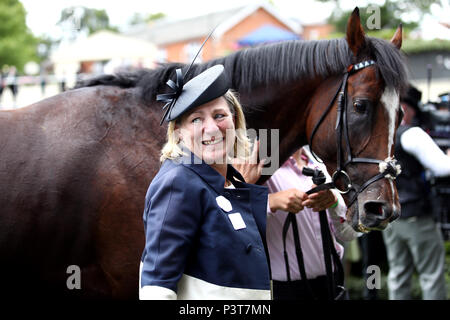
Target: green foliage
391 13
389 17
419 6
139 18
17 43
44 46
416 46
409 46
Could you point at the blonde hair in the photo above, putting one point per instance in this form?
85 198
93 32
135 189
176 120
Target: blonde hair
172 150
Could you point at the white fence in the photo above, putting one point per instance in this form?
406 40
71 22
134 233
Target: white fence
31 90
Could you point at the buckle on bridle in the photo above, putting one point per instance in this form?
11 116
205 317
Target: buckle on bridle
348 184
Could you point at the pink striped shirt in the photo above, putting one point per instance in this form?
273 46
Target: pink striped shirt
286 177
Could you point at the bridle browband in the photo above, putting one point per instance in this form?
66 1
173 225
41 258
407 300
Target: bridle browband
388 168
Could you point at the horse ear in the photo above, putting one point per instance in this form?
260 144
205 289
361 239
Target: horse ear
397 38
355 33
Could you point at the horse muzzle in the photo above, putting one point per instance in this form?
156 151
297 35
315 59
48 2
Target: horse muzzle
377 214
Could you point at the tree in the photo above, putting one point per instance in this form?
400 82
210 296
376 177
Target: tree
408 5
389 18
139 18
17 43
82 19
390 13
45 44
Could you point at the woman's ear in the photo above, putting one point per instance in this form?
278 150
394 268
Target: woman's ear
177 133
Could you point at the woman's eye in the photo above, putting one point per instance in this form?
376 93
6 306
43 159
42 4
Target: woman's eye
196 120
218 116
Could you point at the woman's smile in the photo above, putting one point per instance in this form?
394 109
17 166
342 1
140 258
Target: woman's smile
213 141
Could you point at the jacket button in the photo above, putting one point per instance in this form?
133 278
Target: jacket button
249 248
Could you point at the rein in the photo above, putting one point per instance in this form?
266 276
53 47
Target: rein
388 168
335 280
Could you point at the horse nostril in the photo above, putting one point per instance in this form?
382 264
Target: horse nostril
374 207
378 209
377 213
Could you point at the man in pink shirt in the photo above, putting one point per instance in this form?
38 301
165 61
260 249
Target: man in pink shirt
287 193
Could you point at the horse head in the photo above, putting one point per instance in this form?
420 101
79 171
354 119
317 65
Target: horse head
354 131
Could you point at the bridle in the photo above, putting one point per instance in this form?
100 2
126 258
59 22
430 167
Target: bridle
388 168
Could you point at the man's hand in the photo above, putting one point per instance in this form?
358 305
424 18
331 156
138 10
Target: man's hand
321 200
287 200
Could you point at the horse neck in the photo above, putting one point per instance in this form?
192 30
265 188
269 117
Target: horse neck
283 107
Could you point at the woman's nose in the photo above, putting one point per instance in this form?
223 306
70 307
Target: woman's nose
210 125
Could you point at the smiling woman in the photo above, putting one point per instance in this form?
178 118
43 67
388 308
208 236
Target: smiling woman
204 225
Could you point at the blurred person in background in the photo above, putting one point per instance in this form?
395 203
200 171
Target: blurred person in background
11 83
43 82
414 241
62 82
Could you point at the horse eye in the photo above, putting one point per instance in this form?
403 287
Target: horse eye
360 106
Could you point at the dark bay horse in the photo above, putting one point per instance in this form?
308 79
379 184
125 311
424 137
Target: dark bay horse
74 168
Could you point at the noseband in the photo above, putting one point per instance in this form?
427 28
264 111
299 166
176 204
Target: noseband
388 168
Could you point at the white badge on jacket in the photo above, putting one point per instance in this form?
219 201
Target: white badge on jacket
237 221
224 203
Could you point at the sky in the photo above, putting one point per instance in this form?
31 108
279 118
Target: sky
42 15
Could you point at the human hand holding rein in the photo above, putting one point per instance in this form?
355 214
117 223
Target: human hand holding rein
289 200
321 200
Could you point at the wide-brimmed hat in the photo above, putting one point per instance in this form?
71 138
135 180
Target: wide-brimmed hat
203 88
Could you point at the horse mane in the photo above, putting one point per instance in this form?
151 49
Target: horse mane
271 64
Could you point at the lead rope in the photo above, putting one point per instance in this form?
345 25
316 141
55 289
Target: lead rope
329 249
291 219
319 179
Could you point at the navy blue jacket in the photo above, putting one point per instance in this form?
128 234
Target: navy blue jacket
193 250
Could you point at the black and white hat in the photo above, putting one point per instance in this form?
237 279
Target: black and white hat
207 86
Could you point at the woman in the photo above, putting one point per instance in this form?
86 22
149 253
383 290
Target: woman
204 225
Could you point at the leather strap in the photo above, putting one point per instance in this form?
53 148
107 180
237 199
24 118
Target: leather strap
329 251
327 243
291 220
